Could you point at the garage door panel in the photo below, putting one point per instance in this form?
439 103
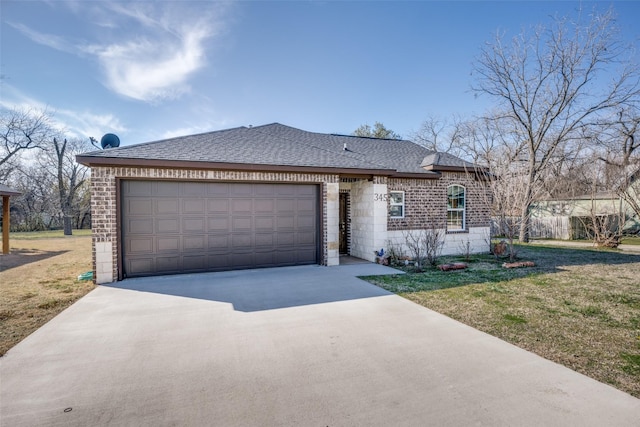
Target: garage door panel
219 224
263 190
218 189
172 227
139 188
194 189
286 223
306 221
241 224
264 240
241 242
263 259
219 242
286 239
219 262
304 256
194 262
241 206
240 261
285 206
193 225
286 190
168 264
169 225
264 206
166 189
193 243
218 206
283 257
168 244
193 206
167 207
305 206
140 226
305 238
139 207
264 223
141 245
140 266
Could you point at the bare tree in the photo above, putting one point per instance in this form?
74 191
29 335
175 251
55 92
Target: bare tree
619 140
21 130
551 86
70 176
441 135
35 209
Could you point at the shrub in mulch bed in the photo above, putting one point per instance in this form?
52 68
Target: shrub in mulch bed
454 266
518 264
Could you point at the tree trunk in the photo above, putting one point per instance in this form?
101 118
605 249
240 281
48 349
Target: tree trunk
523 237
66 221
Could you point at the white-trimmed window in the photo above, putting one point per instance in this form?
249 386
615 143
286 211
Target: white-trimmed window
396 204
455 207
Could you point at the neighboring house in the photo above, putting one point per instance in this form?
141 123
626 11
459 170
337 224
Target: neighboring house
271 196
570 218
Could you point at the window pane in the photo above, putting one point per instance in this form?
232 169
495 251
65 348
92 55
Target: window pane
396 211
454 220
397 197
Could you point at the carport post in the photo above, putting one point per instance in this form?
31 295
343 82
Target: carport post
5 224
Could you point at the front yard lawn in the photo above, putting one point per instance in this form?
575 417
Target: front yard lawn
577 307
39 279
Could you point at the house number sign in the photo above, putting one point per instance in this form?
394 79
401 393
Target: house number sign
380 197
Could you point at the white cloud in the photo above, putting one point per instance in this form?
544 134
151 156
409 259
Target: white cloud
151 71
146 50
49 40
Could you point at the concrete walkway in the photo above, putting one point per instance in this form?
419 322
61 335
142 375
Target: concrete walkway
296 346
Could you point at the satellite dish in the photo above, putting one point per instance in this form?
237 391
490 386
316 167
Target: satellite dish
109 140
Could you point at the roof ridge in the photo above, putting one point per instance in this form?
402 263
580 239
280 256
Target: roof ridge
350 154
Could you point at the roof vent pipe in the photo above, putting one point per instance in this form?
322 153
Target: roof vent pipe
345 147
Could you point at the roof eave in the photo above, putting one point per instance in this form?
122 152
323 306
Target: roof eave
422 175
91 161
474 169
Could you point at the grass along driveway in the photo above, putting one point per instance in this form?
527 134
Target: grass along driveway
38 280
579 308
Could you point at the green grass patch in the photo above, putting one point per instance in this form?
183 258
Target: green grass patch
632 365
631 241
49 234
511 318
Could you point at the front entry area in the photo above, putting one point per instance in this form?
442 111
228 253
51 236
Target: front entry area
344 223
171 227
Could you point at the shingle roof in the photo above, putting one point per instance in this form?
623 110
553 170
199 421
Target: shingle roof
279 145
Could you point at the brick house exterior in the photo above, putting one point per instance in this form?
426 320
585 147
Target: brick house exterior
356 180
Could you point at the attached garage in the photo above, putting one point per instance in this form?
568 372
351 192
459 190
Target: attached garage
171 227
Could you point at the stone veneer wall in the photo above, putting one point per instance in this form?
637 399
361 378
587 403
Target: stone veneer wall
104 205
368 217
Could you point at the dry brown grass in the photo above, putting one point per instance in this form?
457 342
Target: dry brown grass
579 308
38 280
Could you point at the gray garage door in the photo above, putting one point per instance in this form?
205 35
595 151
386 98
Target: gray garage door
185 227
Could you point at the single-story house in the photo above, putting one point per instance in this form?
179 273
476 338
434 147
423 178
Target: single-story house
273 195
571 218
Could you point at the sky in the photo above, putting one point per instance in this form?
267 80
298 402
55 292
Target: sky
149 70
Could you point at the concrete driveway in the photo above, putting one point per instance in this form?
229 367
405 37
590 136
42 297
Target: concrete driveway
297 346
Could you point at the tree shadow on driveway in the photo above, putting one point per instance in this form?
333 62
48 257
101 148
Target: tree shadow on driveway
269 288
